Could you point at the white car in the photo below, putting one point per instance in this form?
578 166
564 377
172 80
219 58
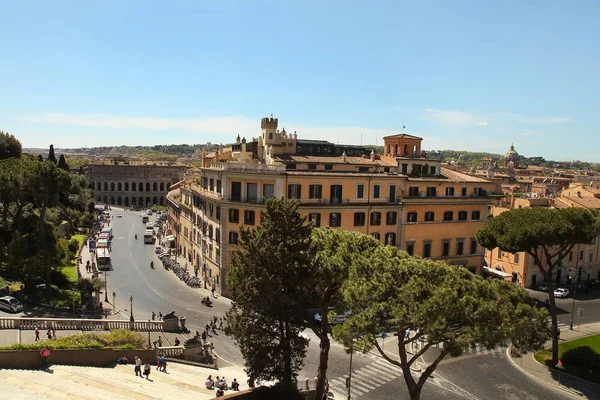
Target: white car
561 293
119 215
10 304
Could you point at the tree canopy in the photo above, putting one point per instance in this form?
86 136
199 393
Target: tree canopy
51 156
393 291
10 146
265 284
548 235
62 163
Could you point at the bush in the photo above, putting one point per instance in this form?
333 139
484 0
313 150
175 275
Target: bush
584 357
73 245
118 339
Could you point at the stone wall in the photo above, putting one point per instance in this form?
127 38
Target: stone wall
30 359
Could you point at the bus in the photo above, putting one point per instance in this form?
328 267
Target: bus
103 259
108 230
149 236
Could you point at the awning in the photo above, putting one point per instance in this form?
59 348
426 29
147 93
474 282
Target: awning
170 238
495 272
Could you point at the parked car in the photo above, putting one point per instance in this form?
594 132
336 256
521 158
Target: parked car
10 304
561 292
337 319
119 215
543 287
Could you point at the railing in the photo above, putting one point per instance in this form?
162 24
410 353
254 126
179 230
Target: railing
79 324
171 351
248 167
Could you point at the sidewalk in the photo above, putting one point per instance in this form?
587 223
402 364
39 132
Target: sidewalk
569 384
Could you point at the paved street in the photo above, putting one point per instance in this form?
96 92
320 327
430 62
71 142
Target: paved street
478 374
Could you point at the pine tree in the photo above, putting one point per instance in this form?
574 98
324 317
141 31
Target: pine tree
51 156
62 163
40 157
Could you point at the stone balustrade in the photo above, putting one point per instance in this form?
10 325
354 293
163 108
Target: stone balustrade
171 351
79 324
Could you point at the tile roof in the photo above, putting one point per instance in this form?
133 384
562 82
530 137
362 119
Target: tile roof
588 202
353 160
402 136
456 176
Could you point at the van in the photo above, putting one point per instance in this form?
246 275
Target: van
144 219
10 304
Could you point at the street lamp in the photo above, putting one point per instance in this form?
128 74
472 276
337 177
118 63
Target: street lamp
131 308
149 343
349 379
573 309
105 288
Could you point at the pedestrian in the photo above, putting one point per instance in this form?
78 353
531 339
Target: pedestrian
138 367
177 342
207 330
213 291
147 371
153 315
159 316
163 363
37 334
44 354
204 336
558 333
407 333
49 334
159 341
53 334
220 324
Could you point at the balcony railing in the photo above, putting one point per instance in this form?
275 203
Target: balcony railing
79 324
243 167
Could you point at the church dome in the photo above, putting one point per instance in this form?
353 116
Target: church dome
511 154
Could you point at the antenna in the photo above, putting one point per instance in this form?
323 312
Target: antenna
361 139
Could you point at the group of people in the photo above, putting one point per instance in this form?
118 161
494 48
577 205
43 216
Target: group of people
138 368
51 334
160 316
161 365
220 384
90 267
212 326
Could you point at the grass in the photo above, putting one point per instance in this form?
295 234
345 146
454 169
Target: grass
116 339
593 342
70 270
12 286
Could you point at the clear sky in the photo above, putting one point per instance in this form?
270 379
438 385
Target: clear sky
470 75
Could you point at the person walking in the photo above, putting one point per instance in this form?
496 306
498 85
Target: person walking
44 354
53 334
153 315
213 291
37 334
159 316
138 367
147 371
163 363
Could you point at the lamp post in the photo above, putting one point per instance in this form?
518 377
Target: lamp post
349 379
131 308
149 343
105 288
573 309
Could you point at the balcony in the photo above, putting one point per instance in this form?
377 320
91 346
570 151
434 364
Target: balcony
251 200
248 168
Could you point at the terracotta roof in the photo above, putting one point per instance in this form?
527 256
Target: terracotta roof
353 160
456 176
402 136
588 202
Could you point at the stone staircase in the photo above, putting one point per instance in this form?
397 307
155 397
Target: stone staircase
71 382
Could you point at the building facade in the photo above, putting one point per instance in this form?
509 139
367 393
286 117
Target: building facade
133 183
401 197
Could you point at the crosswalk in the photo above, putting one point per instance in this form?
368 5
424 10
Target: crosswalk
365 379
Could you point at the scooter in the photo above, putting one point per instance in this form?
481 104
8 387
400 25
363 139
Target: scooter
206 301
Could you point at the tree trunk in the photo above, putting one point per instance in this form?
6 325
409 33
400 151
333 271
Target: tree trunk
45 248
323 354
554 319
413 388
287 358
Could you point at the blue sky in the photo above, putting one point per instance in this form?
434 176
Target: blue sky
472 75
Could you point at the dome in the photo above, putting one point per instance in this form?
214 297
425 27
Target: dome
511 154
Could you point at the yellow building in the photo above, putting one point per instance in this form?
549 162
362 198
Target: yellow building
401 197
581 264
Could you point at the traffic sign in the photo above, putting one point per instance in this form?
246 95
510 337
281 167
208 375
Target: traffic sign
91 244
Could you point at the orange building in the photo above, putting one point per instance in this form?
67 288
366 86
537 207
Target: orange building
401 197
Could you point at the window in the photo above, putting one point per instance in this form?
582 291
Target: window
410 248
411 217
294 191
234 215
460 248
315 219
290 166
328 167
448 215
252 192
591 256
431 191
581 255
571 256
432 170
462 215
413 191
463 193
405 169
335 219
312 166
363 169
211 185
390 239
473 246
375 218
445 248
426 250
335 195
429 216
390 218
314 191
210 231
499 254
516 259
219 186
236 191
268 190
449 191
218 216
249 217
233 238
475 215
376 236
217 235
359 219
376 191
360 191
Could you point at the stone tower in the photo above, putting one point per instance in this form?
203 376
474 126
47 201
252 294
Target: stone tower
268 127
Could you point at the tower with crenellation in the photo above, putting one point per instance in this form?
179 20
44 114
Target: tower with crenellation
272 141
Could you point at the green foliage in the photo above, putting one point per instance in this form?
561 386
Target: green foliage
265 281
116 339
584 357
10 146
51 156
74 245
62 163
448 304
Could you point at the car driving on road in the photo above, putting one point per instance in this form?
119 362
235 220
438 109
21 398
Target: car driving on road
561 293
10 304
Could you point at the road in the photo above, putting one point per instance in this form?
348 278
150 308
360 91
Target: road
476 375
